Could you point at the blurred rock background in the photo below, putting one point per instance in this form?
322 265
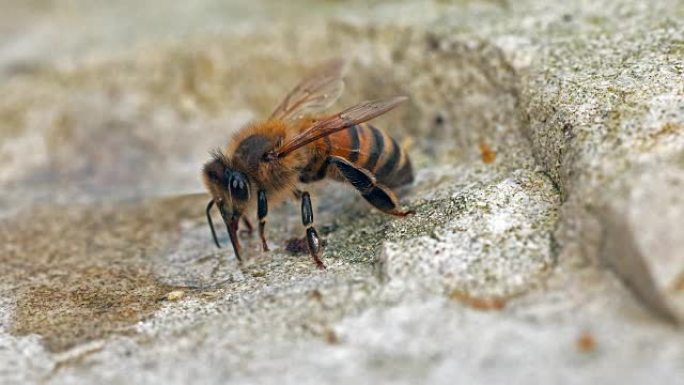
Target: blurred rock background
549 147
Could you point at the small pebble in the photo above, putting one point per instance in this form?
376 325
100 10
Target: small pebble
175 295
586 343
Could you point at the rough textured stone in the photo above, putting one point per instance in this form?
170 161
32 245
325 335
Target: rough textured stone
546 137
517 211
606 114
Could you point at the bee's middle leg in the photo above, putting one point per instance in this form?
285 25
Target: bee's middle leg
312 239
262 211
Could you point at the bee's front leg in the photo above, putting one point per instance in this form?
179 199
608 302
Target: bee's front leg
312 239
262 211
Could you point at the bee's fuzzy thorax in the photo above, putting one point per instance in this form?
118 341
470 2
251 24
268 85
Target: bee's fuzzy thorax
270 128
248 146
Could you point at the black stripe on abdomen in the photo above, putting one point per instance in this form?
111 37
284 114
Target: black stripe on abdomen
402 176
376 148
355 143
390 162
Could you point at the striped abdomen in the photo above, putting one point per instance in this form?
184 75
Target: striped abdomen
367 147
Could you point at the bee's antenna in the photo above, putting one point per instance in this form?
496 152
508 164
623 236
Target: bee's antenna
211 224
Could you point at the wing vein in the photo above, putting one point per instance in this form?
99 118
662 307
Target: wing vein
359 113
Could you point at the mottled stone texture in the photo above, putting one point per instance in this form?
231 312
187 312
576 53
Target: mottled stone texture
548 143
606 118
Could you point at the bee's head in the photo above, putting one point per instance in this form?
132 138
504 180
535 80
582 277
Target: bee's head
229 188
230 192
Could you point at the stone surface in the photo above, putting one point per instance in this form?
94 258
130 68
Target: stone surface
517 211
606 119
642 241
547 138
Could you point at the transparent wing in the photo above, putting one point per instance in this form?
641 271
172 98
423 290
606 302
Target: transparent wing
318 91
359 113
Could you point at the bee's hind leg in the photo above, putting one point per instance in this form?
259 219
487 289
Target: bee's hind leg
312 239
381 197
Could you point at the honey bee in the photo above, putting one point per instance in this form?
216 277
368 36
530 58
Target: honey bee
267 161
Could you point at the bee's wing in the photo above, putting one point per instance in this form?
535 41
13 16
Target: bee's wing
318 91
359 113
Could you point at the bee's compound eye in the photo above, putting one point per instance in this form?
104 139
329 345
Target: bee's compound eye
239 187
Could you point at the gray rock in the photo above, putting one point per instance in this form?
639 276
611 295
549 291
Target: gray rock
605 122
492 237
642 241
